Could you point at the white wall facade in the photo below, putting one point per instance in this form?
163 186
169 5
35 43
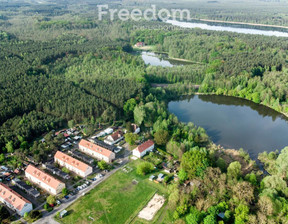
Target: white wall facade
44 186
96 154
26 208
140 155
81 173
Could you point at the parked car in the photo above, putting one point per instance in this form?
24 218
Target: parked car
66 197
58 202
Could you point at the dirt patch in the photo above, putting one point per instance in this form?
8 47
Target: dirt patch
129 187
152 207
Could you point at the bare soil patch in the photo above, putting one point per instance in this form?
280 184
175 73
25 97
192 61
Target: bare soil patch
152 207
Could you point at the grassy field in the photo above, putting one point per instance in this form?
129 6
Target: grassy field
116 200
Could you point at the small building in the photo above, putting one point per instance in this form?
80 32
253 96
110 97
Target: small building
76 138
100 134
140 44
166 168
44 180
96 151
25 187
143 149
160 177
135 129
152 177
14 201
63 213
108 131
74 165
65 146
114 138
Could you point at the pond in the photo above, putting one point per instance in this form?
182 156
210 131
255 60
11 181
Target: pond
235 123
227 28
154 59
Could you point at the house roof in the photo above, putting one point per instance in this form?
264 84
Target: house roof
116 135
95 148
43 177
13 198
144 146
71 161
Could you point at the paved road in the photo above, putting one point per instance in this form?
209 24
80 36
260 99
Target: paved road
48 217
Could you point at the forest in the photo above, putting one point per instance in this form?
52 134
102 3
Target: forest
246 66
60 65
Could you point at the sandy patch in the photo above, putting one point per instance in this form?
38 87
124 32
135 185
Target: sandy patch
152 207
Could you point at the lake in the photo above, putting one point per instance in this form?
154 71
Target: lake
227 28
235 123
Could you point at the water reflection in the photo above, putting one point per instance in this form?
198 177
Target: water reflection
235 123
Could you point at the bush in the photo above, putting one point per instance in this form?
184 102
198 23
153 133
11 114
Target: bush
144 168
65 191
103 165
47 207
221 164
65 170
51 200
34 215
272 155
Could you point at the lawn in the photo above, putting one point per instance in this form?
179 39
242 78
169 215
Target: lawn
116 200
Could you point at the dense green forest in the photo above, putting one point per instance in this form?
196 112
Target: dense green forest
59 64
246 66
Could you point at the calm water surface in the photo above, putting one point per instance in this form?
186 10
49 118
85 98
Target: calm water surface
227 28
235 123
154 59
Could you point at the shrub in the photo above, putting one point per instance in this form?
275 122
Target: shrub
144 168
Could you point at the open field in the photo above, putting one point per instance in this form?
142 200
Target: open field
117 200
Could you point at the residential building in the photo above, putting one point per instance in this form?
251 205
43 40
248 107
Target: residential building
135 129
140 44
114 138
108 131
74 165
44 180
144 148
96 151
14 201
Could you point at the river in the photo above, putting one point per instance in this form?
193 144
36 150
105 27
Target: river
228 28
235 123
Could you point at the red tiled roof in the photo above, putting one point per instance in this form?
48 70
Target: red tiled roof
43 177
144 146
71 161
116 135
13 198
95 148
